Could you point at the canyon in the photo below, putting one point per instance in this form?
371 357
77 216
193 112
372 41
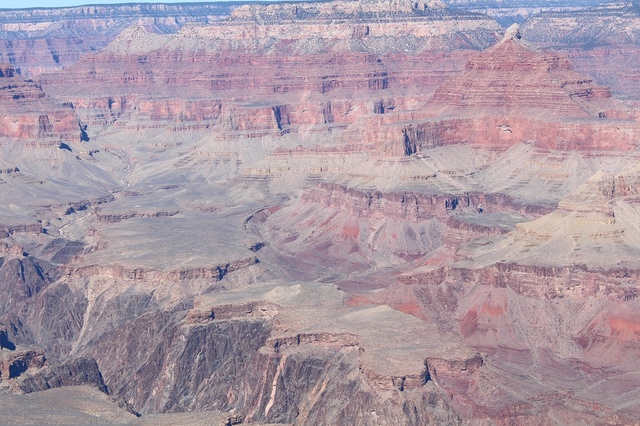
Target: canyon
349 212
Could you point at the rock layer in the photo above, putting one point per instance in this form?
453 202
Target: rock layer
27 113
316 213
512 93
38 40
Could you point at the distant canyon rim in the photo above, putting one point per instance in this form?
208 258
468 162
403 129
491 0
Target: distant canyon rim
318 213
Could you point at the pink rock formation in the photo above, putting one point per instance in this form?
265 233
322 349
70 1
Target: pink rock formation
307 201
511 93
27 113
289 83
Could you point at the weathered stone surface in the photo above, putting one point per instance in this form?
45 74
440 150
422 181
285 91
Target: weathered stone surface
16 362
318 214
82 371
27 113
510 93
22 279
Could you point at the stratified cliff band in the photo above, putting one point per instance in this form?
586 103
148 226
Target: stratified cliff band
347 212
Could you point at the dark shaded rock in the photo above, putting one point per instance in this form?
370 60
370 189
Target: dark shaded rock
17 331
37 310
257 246
22 279
57 318
171 367
109 313
234 420
14 363
162 361
81 371
5 343
61 250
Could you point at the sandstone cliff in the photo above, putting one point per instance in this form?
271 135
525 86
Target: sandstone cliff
540 100
27 113
38 40
317 213
186 81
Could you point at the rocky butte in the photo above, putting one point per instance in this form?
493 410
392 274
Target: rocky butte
512 93
348 212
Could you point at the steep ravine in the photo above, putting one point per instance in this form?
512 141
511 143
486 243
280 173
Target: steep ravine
156 357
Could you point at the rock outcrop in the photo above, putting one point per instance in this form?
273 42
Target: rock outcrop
5 343
315 213
27 113
78 372
16 362
510 93
38 40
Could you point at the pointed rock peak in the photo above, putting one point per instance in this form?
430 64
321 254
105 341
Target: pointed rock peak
130 34
133 32
600 182
136 39
513 53
513 36
513 41
513 32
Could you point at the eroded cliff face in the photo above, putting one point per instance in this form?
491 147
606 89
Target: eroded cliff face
38 40
321 213
237 357
231 364
27 113
595 39
295 82
534 88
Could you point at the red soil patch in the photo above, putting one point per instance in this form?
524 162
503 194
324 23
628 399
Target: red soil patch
410 308
353 300
624 328
351 231
440 257
474 318
469 323
492 311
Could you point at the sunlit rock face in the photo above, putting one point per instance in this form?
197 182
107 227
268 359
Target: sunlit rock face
38 40
29 114
349 212
510 93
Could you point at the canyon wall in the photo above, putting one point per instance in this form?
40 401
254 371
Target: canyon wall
38 40
349 212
